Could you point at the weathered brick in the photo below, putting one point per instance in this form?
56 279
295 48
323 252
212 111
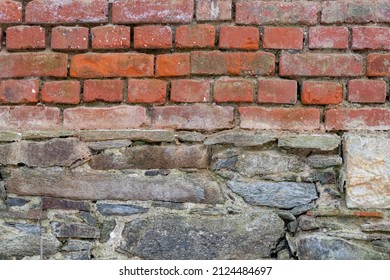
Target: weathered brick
371 38
328 37
310 64
119 117
146 91
19 91
96 65
10 11
172 65
152 37
190 91
69 38
276 12
162 11
280 118
33 65
29 118
351 119
25 37
66 92
233 90
367 91
103 90
70 11
195 36
378 65
321 93
277 91
239 37
208 10
283 38
196 117
351 11
235 63
110 37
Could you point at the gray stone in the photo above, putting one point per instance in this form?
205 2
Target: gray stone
240 138
33 214
10 136
88 218
169 205
75 230
25 228
383 226
367 166
286 216
285 195
324 161
151 157
114 185
188 136
157 172
59 203
54 152
353 234
249 236
17 242
307 223
108 209
76 245
318 247
3 194
382 245
283 255
135 134
321 176
322 142
292 226
266 163
103 145
107 228
81 255
36 134
16 201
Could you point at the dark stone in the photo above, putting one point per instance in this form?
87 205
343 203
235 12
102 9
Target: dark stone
292 226
286 216
3 193
120 209
80 255
249 236
382 246
156 172
25 228
187 136
323 177
285 195
67 230
324 161
107 228
59 203
169 205
76 245
307 223
15 201
227 163
299 210
88 218
34 214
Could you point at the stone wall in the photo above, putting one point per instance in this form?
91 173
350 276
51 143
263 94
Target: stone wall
207 129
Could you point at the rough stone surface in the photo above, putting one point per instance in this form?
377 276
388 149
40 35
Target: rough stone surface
107 228
283 195
57 182
103 145
119 209
324 161
77 245
9 136
317 247
134 134
367 167
186 136
319 142
385 227
61 229
240 139
250 236
58 203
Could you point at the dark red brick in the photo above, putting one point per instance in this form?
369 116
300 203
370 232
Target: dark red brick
69 38
146 91
277 91
103 90
19 91
110 37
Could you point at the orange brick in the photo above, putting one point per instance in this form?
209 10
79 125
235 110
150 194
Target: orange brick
146 91
195 36
103 90
283 38
152 37
321 93
190 91
110 37
239 37
277 91
65 92
10 11
233 90
173 65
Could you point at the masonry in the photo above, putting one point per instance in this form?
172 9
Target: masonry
206 129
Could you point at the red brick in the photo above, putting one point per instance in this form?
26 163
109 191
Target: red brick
190 91
96 65
279 118
276 12
1 38
349 119
207 10
239 37
25 37
33 65
370 38
195 117
235 63
378 65
195 36
146 91
65 92
161 11
19 91
110 37
233 90
173 65
328 37
321 93
283 38
367 91
313 64
277 91
29 118
119 117
352 11
10 11
69 38
69 11
152 37
103 90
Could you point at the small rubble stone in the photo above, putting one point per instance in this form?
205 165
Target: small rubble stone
76 245
240 139
324 161
187 136
88 218
107 227
113 144
119 209
75 230
16 201
325 142
59 203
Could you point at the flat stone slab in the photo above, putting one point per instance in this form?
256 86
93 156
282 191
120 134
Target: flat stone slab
240 138
61 229
322 142
367 166
249 236
109 209
133 134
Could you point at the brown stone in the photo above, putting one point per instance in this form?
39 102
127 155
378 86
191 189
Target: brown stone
58 203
